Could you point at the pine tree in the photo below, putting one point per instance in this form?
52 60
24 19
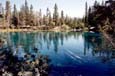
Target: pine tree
31 9
74 22
86 14
8 13
26 8
0 8
44 20
3 16
47 17
22 16
62 17
3 10
15 11
103 4
47 12
66 20
31 19
55 15
40 17
50 19
95 3
15 16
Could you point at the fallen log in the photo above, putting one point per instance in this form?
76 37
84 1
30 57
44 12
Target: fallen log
109 39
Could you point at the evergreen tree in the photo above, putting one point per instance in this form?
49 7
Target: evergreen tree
26 8
62 17
44 20
47 17
8 13
22 16
40 17
15 17
31 19
15 11
47 12
86 15
50 19
0 8
66 20
55 15
103 4
31 9
75 23
95 3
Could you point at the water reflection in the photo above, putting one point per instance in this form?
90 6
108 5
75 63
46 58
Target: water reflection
55 40
65 48
91 41
40 39
101 50
97 43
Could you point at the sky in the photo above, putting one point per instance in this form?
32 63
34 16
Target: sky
73 8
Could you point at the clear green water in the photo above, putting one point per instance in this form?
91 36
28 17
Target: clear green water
71 53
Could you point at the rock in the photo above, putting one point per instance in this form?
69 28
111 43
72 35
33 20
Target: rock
7 74
37 62
20 74
27 73
37 72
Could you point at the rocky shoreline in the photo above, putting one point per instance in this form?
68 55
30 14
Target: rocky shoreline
29 65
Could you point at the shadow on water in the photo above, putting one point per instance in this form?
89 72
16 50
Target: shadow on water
71 53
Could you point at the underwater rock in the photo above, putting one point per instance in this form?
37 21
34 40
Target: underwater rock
13 66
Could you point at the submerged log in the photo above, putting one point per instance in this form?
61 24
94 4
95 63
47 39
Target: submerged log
109 39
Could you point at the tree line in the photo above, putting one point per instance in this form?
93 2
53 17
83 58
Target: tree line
26 16
101 15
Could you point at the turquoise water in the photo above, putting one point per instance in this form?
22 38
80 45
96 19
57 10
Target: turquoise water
71 53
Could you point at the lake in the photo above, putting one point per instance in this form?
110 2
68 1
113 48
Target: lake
71 53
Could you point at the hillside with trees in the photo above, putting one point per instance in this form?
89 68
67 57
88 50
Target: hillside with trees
102 17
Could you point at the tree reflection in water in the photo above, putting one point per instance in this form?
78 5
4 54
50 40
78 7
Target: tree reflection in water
55 39
35 39
100 46
101 49
53 44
